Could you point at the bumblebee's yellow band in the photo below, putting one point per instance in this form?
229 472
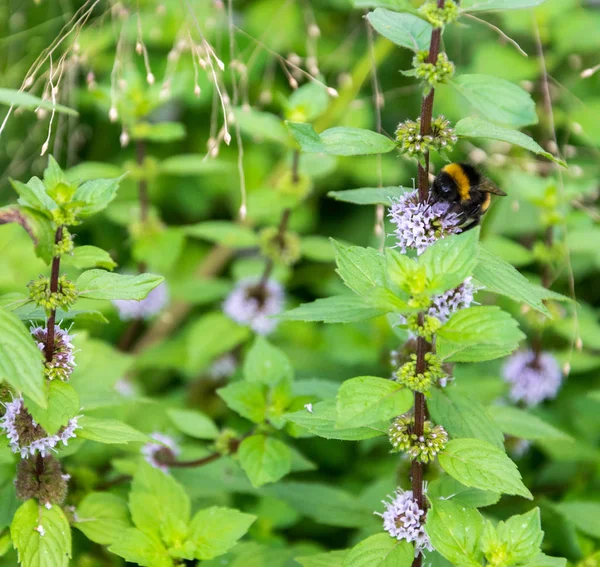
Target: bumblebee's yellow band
455 171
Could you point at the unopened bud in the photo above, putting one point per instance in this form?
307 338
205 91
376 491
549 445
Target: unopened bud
197 90
313 30
566 369
113 114
138 48
579 344
124 138
28 81
332 92
150 78
293 83
44 148
227 137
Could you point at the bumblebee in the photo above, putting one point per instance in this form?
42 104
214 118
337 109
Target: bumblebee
466 190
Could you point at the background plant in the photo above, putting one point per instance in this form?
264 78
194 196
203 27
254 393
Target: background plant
230 413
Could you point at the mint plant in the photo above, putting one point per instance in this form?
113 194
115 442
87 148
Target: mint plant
429 295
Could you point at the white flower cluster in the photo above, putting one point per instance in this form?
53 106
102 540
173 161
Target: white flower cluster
166 446
9 423
452 300
419 225
152 304
63 360
402 520
532 379
253 305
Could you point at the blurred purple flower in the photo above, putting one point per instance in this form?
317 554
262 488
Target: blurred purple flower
253 305
532 379
152 304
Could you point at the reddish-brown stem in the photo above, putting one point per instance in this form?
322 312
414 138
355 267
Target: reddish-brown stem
423 346
54 274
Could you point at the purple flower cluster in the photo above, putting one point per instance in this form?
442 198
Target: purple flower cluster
419 225
532 378
151 305
252 304
402 520
63 362
452 300
157 453
16 421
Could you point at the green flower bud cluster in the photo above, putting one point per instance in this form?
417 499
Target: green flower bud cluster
66 215
48 487
297 189
64 297
65 246
432 73
427 329
281 248
226 442
408 376
441 139
422 448
439 17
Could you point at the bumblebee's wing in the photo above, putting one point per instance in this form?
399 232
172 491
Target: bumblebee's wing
488 186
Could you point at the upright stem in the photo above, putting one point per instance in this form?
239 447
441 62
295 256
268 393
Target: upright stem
283 223
49 350
423 346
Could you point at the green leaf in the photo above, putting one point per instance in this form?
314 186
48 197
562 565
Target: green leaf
99 284
264 459
521 536
95 195
142 549
307 103
520 423
368 195
405 30
322 503
340 141
479 128
85 257
102 517
498 100
462 416
450 261
508 250
158 132
215 530
317 248
159 505
477 334
63 404
447 488
320 421
228 234
33 194
380 550
209 337
396 5
37 225
53 549
336 309
477 463
362 269
368 399
109 431
193 423
454 532
500 277
261 125
328 559
266 364
585 515
541 560
497 5
21 362
249 399
20 99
